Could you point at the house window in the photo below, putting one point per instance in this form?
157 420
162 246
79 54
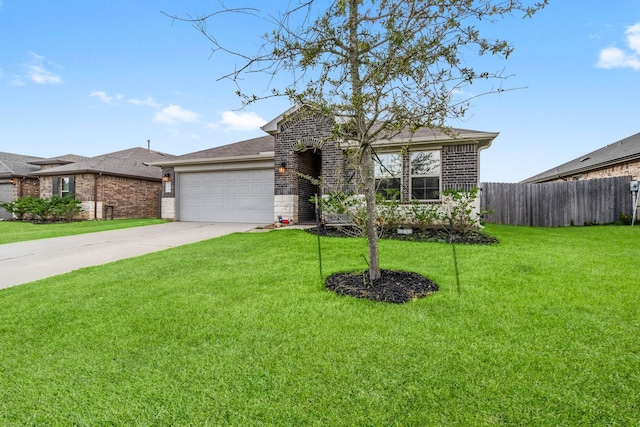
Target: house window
388 174
64 186
425 175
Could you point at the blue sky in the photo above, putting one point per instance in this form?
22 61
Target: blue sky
91 77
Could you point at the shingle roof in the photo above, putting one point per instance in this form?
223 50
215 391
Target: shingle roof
249 147
61 160
430 134
620 151
17 165
133 162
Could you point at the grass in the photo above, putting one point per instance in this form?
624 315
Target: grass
239 331
13 231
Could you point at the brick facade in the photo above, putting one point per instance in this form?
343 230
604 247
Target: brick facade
27 187
311 131
324 158
105 194
459 167
631 168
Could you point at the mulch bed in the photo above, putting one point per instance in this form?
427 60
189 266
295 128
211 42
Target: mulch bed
396 287
429 235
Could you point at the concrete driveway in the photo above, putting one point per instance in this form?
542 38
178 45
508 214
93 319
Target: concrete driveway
25 262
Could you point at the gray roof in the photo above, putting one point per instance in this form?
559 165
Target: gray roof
133 162
452 134
618 152
17 165
59 160
249 147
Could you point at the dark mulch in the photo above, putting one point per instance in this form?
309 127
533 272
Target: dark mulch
395 287
429 235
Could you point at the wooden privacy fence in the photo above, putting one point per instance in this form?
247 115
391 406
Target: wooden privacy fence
556 204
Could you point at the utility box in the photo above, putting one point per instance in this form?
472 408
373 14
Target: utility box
634 185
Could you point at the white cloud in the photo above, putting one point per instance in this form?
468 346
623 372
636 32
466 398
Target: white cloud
633 37
38 73
102 96
613 57
148 101
173 114
239 121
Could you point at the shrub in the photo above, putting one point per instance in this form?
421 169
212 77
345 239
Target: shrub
457 211
55 208
21 207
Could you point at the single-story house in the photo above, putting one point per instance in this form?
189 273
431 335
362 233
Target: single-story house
17 179
122 184
621 158
259 180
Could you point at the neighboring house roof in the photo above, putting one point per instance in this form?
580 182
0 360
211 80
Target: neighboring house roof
255 148
134 162
17 165
59 160
625 150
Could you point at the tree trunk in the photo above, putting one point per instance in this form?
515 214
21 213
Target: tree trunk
366 161
370 198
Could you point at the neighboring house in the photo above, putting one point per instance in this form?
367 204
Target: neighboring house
17 179
259 180
122 184
621 158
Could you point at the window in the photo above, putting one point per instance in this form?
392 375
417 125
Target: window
388 174
425 175
65 188
63 185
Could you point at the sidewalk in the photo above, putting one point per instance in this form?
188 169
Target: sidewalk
25 262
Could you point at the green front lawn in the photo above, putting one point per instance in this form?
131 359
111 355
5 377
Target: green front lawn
13 231
239 331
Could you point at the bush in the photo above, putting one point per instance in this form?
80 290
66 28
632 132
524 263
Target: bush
456 211
53 209
21 207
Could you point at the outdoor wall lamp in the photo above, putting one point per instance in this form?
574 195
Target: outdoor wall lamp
283 167
13 181
166 177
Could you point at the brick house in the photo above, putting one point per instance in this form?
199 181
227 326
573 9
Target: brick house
17 179
122 184
621 158
258 180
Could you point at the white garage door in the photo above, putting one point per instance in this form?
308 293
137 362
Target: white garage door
6 195
227 196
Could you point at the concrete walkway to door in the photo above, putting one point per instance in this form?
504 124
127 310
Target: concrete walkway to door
25 262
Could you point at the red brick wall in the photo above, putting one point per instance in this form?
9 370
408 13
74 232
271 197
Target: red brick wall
130 198
29 187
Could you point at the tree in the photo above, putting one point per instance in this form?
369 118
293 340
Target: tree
378 66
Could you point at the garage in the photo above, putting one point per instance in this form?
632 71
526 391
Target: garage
226 196
6 195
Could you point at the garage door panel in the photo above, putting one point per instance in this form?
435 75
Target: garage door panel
6 195
227 196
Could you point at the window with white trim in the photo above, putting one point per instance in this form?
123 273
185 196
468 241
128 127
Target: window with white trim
388 174
425 175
